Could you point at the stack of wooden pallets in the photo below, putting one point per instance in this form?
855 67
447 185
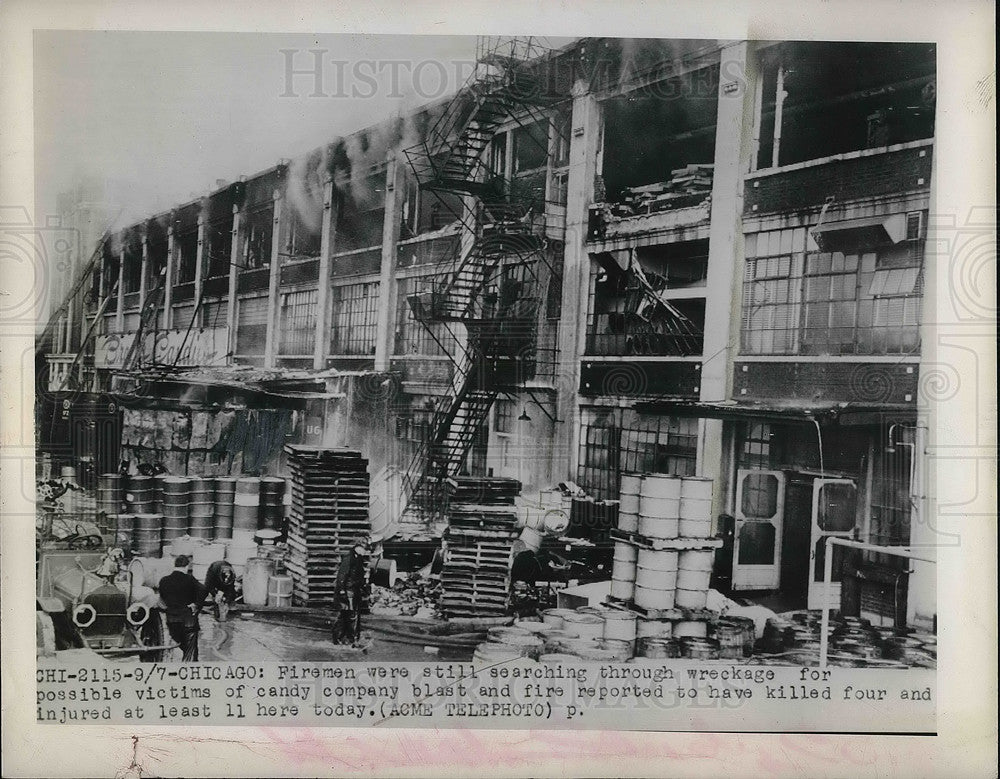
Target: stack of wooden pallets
329 515
479 540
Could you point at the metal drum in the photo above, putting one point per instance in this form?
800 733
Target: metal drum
658 647
139 494
628 504
279 591
246 504
694 571
109 493
555 617
272 503
201 508
659 506
623 572
691 628
700 648
620 626
655 579
124 531
587 626
258 571
735 637
225 492
653 628
147 538
696 507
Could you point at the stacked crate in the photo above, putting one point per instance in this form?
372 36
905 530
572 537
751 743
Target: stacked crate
479 542
329 515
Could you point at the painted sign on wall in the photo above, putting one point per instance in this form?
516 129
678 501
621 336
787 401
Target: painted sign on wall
202 347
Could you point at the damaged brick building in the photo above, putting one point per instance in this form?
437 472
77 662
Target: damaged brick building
690 257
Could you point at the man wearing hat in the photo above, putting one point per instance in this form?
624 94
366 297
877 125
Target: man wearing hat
352 592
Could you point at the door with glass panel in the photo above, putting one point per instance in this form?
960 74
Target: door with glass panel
834 513
760 515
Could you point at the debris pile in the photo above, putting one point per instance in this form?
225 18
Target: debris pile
410 596
688 186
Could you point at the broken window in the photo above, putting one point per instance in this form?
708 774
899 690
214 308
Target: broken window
831 302
132 269
219 247
298 323
251 326
531 146
629 315
355 319
830 98
187 254
503 419
617 441
649 134
257 241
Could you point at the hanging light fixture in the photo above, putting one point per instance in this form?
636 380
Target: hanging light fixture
524 415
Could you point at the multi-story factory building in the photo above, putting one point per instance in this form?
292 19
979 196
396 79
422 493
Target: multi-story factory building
687 257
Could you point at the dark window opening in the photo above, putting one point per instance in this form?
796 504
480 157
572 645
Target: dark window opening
187 255
624 320
355 319
132 270
617 441
842 97
362 212
531 146
218 251
304 237
257 243
649 137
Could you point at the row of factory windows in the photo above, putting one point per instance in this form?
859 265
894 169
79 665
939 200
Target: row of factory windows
795 300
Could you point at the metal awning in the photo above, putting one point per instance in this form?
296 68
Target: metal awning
850 234
824 414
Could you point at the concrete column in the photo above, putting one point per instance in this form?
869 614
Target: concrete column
385 329
278 229
169 276
585 148
120 304
723 293
199 257
328 228
937 425
236 261
144 269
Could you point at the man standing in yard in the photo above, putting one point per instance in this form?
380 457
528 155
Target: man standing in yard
351 593
220 586
183 595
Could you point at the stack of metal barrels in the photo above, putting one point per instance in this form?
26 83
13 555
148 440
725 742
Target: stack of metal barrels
162 509
663 559
109 501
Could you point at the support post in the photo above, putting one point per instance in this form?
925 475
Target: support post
585 147
236 261
169 275
328 233
120 304
733 157
384 339
273 310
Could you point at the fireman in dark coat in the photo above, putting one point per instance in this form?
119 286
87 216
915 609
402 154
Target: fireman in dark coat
183 596
220 586
351 593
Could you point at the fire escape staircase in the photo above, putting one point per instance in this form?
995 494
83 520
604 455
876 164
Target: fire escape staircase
499 351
